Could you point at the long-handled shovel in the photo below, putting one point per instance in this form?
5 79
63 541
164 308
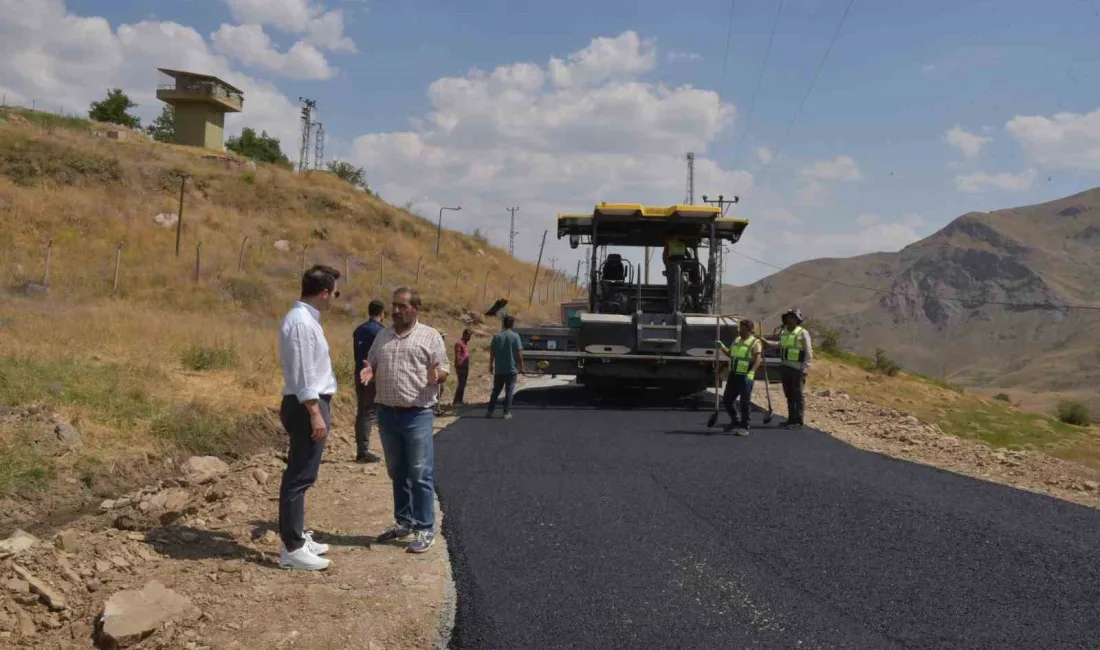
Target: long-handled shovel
713 419
767 388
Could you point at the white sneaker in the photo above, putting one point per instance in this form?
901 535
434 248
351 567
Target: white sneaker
302 559
316 548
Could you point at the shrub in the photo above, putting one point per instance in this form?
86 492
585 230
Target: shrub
1002 397
885 364
480 237
196 428
203 358
1074 413
830 340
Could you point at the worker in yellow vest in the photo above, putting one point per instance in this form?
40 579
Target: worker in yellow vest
675 252
795 354
746 354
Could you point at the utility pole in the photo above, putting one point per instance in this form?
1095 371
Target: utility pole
319 147
439 228
531 296
307 128
512 233
718 273
690 199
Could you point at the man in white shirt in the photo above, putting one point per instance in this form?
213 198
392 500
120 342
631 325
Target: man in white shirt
408 362
309 384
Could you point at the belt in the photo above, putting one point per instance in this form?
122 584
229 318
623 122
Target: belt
404 409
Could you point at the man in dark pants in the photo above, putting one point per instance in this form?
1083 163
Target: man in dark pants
746 355
309 384
795 355
366 412
505 364
462 365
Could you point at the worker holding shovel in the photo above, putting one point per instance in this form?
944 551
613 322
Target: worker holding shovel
746 355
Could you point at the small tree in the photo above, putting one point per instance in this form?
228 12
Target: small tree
885 364
113 110
345 171
1074 413
163 129
261 148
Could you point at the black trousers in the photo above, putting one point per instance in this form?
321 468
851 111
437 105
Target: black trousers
460 390
738 387
794 383
303 463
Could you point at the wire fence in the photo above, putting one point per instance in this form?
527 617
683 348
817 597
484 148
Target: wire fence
71 267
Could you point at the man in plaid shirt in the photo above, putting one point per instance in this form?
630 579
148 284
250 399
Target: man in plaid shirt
408 362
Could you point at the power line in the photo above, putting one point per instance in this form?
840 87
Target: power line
726 56
969 301
759 82
813 82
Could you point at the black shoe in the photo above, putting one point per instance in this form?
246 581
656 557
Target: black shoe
795 424
367 458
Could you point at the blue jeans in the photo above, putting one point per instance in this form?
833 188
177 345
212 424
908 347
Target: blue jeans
410 461
738 387
508 383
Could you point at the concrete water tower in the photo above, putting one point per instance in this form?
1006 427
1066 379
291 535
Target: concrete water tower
200 102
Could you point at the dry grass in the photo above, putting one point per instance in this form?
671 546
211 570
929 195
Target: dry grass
962 413
123 366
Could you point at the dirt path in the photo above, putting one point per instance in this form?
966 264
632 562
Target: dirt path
210 538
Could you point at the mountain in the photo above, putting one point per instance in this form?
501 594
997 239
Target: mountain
934 304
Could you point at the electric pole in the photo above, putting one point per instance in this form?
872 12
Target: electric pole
690 199
308 106
718 273
512 232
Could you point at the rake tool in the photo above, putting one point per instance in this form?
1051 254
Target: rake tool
767 384
713 419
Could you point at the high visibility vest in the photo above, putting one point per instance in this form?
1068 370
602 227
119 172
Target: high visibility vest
791 349
741 352
677 248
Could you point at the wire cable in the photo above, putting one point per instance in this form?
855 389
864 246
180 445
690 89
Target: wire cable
965 301
756 92
813 83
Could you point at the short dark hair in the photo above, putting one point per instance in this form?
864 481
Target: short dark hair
467 332
509 322
746 321
376 308
317 279
414 295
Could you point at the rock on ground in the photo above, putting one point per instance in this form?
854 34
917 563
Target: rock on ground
203 469
132 615
16 543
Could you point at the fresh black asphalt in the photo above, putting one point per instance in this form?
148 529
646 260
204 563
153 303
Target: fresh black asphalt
577 525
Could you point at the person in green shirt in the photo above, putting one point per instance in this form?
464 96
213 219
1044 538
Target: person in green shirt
505 364
746 354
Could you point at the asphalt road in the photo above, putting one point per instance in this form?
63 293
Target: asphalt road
628 527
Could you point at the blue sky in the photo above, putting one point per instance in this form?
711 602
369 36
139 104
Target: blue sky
869 164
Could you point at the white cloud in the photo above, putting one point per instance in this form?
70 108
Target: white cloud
979 181
251 46
604 59
677 57
59 58
323 28
843 168
873 235
928 68
970 144
553 138
1064 141
764 155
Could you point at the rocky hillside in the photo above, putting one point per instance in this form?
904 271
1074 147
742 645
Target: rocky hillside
938 306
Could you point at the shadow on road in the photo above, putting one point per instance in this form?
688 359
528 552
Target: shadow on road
578 397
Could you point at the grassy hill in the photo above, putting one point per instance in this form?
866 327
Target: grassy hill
975 302
172 362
